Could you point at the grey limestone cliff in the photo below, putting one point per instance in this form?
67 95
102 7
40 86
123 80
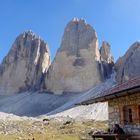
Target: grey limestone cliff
77 65
107 59
128 66
25 64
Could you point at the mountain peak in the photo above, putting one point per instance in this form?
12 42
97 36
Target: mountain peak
75 19
105 51
77 35
25 64
28 35
76 60
128 66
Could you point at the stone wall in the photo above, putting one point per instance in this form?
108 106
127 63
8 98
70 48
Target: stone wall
116 112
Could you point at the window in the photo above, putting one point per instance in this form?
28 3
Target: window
131 114
139 113
127 115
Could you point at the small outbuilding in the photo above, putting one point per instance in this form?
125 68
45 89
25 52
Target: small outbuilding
123 105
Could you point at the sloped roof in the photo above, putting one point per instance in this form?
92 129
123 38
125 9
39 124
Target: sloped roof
123 89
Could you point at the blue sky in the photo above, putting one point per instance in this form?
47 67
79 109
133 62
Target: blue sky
115 21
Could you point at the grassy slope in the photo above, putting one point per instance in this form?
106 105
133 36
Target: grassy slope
55 130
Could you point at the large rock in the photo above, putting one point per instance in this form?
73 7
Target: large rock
105 51
77 65
128 66
24 66
106 59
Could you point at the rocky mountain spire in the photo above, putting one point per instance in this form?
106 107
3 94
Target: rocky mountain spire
105 52
107 59
78 35
76 66
25 64
128 66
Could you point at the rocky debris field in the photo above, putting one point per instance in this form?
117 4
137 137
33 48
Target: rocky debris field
20 127
49 129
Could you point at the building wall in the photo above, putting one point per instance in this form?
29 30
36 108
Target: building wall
116 112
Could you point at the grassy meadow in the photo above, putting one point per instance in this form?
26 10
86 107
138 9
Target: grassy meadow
52 130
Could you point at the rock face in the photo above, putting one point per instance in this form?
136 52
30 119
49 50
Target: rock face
24 66
128 66
107 59
77 65
118 63
105 51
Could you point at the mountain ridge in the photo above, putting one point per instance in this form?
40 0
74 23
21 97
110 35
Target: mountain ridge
78 66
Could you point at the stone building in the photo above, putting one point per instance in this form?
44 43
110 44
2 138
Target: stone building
123 105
